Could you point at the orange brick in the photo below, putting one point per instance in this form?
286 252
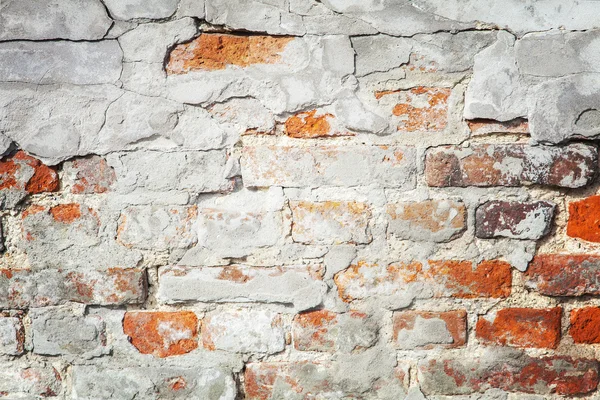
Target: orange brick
584 219
585 325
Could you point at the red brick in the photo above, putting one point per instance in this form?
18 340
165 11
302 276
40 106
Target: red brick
21 288
92 175
511 165
584 219
439 278
327 331
585 325
513 219
312 124
420 108
510 372
409 334
162 334
521 327
27 175
214 51
564 274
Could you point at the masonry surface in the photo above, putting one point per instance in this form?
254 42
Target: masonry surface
299 199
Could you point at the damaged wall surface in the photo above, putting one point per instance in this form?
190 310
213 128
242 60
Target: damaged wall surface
299 199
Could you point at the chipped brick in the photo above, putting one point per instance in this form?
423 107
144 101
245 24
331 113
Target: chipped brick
513 219
564 274
420 108
427 330
92 175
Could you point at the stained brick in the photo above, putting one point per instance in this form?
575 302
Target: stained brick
564 274
162 334
487 126
214 51
434 279
330 222
23 288
327 331
511 165
92 175
521 327
420 108
513 219
243 331
62 225
430 220
584 219
585 325
350 165
422 329
511 372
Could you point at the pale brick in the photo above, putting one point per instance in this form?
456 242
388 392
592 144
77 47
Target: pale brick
35 380
243 331
330 222
235 284
422 329
430 220
12 334
393 167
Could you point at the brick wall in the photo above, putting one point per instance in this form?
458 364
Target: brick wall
299 199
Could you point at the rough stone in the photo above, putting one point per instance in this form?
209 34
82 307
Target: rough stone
496 91
329 166
61 331
430 220
80 63
243 331
515 220
133 9
56 19
235 284
422 329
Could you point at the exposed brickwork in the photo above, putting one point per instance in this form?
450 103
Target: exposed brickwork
217 51
299 200
521 327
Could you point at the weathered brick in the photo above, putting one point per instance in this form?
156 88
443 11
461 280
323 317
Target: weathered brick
330 222
162 334
92 175
430 220
327 331
393 167
511 165
312 124
243 331
156 227
420 108
513 219
512 372
584 219
234 284
435 279
32 381
521 327
152 383
564 274
59 331
427 330
21 174
585 325
12 334
23 288
305 380
487 126
62 225
214 51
